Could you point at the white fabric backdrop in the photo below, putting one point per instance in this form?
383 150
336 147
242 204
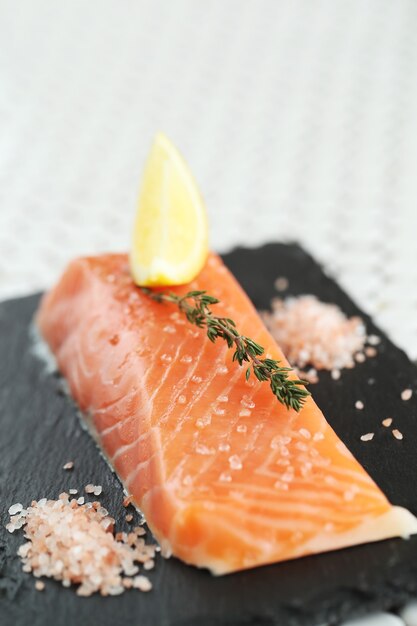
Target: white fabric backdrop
298 119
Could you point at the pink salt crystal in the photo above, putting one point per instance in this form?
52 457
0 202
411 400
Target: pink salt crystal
67 541
359 405
370 352
149 564
39 585
335 374
281 283
129 517
89 488
235 462
15 508
310 375
349 494
373 340
397 434
318 436
97 490
24 549
116 590
72 491
312 332
127 501
360 357
406 394
367 437
387 421
68 466
142 583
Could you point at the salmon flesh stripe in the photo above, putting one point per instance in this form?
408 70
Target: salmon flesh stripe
226 476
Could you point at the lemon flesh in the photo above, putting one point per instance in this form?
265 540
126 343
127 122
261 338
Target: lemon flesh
170 237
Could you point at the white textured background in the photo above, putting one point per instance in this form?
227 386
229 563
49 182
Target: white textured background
298 118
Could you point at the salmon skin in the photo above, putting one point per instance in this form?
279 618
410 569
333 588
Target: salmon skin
227 477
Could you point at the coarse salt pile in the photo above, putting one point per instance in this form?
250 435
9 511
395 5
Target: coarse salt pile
74 543
314 333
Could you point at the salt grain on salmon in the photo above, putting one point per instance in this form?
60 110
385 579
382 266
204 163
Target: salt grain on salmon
235 462
367 437
127 500
201 448
68 466
397 434
406 394
387 422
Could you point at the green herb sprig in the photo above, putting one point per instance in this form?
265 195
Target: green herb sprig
195 305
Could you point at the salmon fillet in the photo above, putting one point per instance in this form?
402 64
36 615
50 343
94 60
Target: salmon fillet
225 475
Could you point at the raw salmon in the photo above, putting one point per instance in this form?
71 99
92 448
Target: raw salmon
226 476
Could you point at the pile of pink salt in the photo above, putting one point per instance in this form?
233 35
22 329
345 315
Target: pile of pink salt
74 542
311 332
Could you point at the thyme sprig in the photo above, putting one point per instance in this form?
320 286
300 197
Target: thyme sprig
195 305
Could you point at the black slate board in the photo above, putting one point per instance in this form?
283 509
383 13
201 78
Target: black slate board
40 431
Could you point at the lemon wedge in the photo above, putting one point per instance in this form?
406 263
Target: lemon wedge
170 237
